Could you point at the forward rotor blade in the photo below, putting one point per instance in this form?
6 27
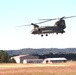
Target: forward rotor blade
24 25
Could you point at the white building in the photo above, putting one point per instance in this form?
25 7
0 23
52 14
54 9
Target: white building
53 60
35 59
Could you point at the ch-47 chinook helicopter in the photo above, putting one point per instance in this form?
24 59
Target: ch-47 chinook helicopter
58 27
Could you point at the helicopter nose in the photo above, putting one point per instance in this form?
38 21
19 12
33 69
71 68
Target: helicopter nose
33 32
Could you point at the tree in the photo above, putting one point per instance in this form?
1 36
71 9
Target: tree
4 57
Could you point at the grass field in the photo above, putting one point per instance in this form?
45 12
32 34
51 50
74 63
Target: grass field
68 68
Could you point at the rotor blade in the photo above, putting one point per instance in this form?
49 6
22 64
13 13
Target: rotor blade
49 19
69 17
58 18
24 25
46 20
43 22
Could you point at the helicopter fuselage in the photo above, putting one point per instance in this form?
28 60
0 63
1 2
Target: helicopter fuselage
57 28
47 29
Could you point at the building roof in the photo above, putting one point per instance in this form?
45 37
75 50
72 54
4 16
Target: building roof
55 59
26 57
18 56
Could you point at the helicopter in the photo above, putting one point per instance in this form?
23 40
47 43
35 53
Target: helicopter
58 27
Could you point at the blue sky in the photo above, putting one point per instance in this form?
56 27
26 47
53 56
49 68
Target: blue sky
22 12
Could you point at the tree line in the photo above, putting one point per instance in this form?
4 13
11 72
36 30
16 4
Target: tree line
51 55
5 58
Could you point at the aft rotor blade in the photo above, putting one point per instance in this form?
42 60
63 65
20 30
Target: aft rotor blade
69 17
58 18
49 19
45 21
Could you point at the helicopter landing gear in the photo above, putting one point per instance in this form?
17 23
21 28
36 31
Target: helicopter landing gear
46 34
41 35
57 33
63 32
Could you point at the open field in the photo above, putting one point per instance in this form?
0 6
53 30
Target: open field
68 68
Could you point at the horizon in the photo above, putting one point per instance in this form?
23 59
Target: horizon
40 48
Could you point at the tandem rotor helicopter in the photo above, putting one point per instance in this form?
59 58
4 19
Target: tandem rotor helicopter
58 27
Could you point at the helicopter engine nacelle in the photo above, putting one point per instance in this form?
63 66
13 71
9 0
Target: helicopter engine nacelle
61 24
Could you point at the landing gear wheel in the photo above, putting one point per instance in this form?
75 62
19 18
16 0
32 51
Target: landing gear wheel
41 35
63 32
57 33
46 34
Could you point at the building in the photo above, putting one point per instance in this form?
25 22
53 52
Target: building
27 59
33 61
54 60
